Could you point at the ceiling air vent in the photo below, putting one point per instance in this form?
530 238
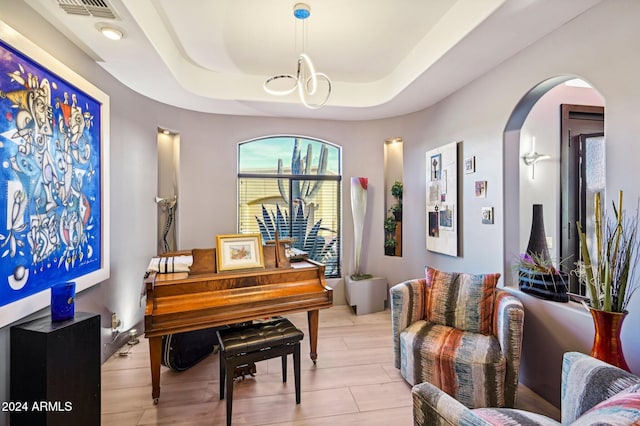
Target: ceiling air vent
95 8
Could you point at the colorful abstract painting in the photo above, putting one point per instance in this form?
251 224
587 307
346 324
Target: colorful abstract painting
50 179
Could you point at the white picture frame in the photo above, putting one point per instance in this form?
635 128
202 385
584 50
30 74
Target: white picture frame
239 251
442 203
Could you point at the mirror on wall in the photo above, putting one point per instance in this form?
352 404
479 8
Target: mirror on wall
564 131
393 196
167 190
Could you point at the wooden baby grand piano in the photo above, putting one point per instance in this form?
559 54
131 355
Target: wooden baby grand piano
182 302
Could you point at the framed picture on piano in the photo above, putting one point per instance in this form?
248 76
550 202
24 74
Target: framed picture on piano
239 251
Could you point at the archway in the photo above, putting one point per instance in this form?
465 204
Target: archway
537 114
555 326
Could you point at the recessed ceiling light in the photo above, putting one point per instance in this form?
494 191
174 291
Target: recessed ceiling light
112 33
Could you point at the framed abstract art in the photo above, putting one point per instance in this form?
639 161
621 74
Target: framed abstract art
54 178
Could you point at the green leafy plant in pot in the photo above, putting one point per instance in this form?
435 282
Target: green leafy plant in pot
608 274
396 210
390 225
390 246
390 241
396 191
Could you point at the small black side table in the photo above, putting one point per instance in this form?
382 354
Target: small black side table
55 372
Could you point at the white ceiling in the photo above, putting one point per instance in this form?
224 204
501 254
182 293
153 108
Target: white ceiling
384 57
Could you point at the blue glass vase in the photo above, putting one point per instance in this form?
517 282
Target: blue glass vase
63 298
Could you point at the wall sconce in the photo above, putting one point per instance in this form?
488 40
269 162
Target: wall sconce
532 157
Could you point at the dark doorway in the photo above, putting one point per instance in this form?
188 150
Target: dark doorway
581 174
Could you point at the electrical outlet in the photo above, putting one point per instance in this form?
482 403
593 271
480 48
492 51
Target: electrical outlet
115 322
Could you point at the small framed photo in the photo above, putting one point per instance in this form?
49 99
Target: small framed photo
435 165
470 164
481 189
445 215
434 225
487 215
239 251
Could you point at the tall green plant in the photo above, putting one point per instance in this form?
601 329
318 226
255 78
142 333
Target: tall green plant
608 274
305 238
303 190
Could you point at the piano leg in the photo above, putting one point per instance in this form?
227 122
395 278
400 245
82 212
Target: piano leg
155 353
312 319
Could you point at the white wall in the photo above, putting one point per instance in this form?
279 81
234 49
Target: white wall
599 46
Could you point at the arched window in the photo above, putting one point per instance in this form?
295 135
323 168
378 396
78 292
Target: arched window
291 185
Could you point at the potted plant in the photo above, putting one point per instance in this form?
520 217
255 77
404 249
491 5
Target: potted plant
536 273
539 277
608 275
390 225
396 190
396 209
390 240
390 246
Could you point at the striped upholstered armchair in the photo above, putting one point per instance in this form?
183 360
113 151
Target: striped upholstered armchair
459 333
593 393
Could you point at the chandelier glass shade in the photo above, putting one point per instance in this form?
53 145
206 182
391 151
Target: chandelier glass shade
307 79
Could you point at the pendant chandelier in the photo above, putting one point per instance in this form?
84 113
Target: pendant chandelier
306 79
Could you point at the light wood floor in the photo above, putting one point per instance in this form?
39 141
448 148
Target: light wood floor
353 383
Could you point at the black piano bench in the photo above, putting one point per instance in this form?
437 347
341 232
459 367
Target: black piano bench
257 342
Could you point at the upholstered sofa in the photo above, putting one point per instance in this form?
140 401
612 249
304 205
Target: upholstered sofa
459 333
593 393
